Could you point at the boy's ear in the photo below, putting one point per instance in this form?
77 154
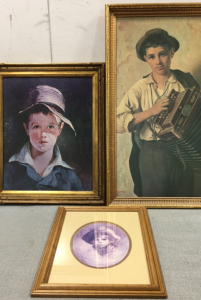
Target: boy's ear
172 52
145 57
26 129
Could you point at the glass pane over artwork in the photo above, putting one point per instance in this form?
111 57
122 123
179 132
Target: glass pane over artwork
98 247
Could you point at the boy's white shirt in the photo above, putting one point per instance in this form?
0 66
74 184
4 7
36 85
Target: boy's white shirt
24 157
140 97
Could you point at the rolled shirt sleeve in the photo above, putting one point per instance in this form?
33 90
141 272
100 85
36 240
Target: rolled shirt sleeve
129 105
142 96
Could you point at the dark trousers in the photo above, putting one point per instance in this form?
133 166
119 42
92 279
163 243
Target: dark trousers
162 174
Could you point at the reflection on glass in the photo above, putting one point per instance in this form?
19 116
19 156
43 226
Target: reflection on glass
100 244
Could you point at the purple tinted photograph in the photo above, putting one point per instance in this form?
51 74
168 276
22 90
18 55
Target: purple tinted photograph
100 245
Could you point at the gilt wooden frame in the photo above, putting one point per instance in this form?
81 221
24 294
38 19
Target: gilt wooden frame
137 12
94 73
58 260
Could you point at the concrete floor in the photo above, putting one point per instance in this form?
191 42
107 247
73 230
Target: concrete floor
24 230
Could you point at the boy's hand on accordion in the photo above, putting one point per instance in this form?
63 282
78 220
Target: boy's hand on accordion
159 106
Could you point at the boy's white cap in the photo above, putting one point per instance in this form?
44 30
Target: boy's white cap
49 97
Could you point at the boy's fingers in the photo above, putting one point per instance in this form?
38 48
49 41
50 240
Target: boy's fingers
166 102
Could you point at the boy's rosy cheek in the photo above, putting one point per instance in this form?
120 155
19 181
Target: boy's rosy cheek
54 133
34 136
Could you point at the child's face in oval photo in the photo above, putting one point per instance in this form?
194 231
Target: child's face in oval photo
101 241
159 59
43 131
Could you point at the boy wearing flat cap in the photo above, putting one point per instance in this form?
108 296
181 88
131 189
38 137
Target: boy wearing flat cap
155 170
39 166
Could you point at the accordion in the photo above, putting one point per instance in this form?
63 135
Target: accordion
180 126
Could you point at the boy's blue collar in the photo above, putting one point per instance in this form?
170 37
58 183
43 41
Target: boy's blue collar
24 157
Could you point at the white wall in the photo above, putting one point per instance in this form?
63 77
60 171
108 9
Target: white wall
45 31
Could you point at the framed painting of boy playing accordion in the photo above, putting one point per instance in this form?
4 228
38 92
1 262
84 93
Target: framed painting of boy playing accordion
53 133
153 104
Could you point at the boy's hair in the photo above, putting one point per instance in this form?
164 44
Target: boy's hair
39 108
154 38
156 41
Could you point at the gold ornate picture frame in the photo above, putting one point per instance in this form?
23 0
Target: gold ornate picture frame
126 24
78 175
89 249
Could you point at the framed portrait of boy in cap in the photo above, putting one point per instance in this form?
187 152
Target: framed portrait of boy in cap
153 116
53 133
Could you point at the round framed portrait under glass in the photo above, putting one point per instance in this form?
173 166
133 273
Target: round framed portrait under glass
100 245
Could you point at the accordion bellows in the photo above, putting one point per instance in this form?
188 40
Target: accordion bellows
180 126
